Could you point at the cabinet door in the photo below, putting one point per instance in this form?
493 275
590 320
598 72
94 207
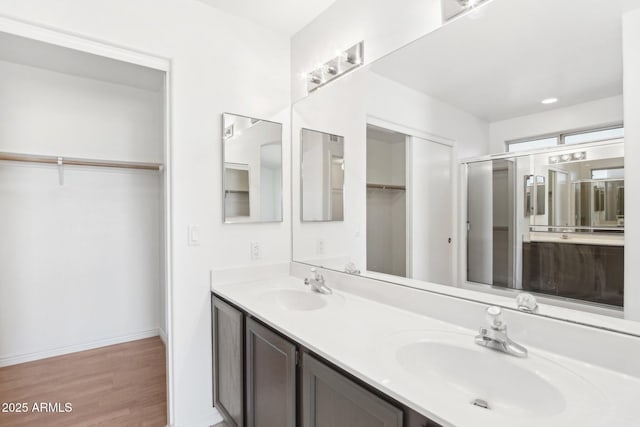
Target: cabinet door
271 378
228 379
416 420
331 400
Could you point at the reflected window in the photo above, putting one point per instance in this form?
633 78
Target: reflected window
610 173
534 144
594 136
591 135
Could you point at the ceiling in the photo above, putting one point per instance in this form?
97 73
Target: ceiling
284 16
501 60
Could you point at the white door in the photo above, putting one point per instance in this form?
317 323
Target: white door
429 211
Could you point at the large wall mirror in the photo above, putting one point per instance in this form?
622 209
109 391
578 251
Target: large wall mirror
252 169
478 154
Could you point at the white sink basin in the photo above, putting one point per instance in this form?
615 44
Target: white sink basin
300 300
462 373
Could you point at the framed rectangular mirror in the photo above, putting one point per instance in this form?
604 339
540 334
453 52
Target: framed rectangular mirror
321 176
252 169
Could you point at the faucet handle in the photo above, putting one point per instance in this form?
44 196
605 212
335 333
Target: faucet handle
316 275
494 318
527 302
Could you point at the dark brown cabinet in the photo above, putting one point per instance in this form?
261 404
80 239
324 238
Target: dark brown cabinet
270 378
228 385
585 272
260 380
329 399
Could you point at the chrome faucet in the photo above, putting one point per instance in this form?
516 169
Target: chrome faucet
495 336
317 283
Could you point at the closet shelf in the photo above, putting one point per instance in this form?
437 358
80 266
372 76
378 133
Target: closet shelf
59 160
386 187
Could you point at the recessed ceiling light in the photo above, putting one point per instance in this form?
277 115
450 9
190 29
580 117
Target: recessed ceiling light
549 101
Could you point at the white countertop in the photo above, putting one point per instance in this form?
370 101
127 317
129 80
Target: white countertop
355 334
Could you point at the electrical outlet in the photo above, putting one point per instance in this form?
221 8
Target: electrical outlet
320 247
256 250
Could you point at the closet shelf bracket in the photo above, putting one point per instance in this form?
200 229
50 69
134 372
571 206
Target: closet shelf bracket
60 171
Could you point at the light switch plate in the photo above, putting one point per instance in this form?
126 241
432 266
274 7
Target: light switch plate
193 235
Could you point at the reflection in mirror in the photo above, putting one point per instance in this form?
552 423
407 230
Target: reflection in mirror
490 221
408 205
534 190
236 197
469 87
252 169
386 201
322 176
576 249
529 191
540 193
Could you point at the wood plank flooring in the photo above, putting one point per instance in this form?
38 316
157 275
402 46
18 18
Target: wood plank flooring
118 385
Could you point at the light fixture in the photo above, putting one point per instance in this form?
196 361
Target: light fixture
465 6
344 62
548 101
568 157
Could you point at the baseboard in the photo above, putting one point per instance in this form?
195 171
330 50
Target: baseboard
211 419
163 336
215 418
30 357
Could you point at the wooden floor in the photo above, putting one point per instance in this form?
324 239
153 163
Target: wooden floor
118 385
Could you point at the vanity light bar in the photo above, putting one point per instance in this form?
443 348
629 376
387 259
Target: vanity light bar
568 157
341 64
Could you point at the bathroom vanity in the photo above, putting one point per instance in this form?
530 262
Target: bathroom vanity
285 383
292 357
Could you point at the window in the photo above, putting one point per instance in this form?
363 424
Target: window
591 135
612 173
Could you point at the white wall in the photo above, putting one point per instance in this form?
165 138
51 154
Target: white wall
593 114
631 56
219 63
383 25
50 113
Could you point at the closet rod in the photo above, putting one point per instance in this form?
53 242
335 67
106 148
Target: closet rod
386 187
55 160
